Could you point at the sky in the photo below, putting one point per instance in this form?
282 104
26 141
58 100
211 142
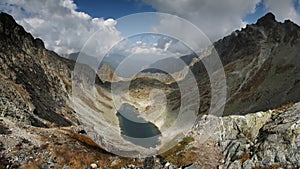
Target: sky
112 8
66 25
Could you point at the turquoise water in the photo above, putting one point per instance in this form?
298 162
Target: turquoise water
135 129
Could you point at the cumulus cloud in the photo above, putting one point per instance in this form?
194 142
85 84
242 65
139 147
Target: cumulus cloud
151 44
60 25
128 47
219 18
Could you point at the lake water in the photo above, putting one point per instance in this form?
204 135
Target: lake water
135 129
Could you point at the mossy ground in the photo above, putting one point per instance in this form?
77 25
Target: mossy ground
181 154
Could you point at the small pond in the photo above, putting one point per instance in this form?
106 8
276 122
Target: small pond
135 129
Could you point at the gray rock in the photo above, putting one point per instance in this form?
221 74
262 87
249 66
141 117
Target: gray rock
248 164
235 165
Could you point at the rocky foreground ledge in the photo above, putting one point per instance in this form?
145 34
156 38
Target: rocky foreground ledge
260 140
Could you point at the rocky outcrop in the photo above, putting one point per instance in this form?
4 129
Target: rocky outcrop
263 139
106 73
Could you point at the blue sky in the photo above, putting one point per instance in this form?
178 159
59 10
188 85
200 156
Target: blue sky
112 8
118 8
260 11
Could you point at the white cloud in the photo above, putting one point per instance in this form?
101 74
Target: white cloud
160 45
110 22
283 9
62 28
173 46
215 18
126 48
219 18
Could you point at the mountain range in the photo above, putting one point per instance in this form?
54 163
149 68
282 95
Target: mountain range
40 126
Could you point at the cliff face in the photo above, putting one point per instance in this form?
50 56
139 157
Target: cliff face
34 81
261 64
38 127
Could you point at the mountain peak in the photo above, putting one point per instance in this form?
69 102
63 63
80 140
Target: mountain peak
267 20
15 32
6 21
7 16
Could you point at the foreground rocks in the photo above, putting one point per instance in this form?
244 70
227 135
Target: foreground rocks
264 139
